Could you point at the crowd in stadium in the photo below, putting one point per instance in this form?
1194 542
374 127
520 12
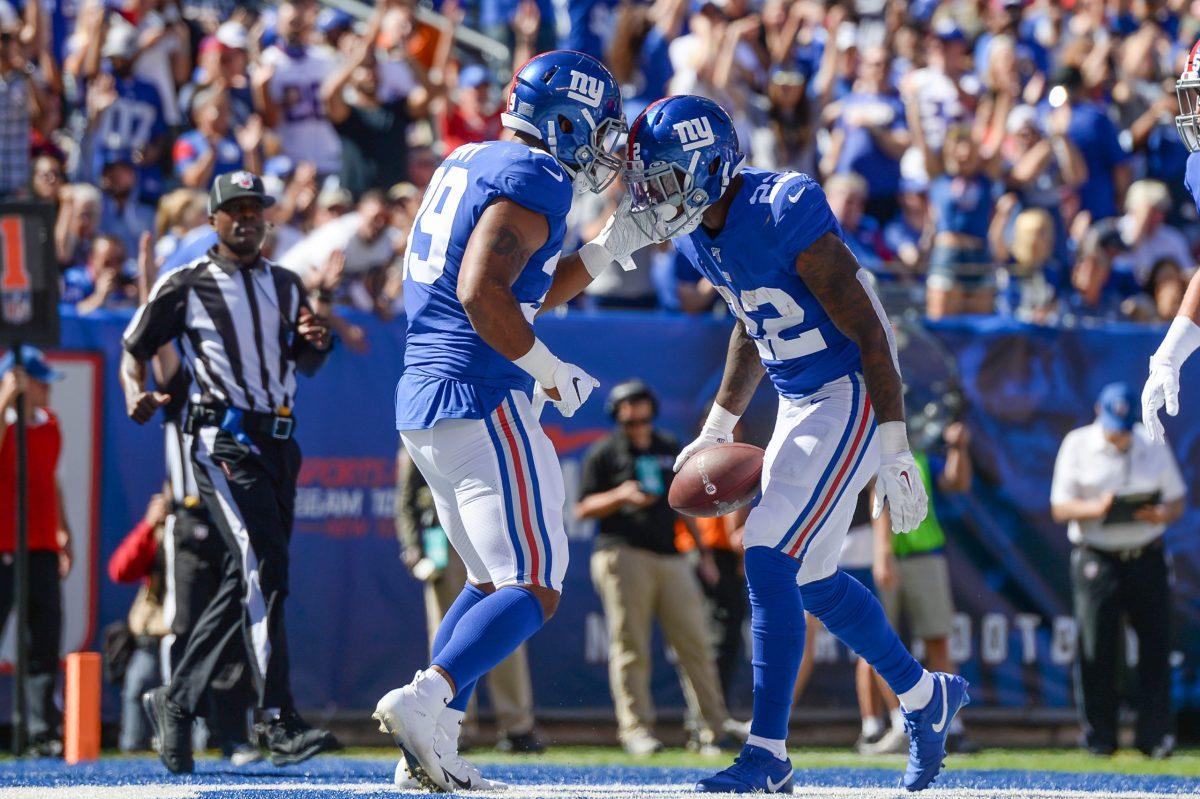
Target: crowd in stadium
1009 156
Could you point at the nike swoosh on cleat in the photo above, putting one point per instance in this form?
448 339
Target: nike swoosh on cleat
773 787
945 706
464 784
553 173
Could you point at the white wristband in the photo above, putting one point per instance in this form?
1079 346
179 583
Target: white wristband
539 362
893 438
1181 341
596 258
721 421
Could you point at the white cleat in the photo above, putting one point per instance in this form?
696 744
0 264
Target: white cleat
408 715
448 728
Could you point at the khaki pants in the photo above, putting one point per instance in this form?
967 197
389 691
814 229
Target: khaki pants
636 587
508 683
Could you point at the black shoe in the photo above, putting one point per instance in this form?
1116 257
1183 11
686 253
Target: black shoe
866 741
525 743
46 745
1160 751
959 744
289 739
173 729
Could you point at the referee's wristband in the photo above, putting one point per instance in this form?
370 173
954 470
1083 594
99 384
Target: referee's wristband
540 363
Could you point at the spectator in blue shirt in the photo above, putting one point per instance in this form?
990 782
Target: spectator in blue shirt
847 196
125 115
870 135
639 56
905 234
104 282
1097 139
121 215
1096 293
210 149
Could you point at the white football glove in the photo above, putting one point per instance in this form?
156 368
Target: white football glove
619 239
574 387
718 429
898 482
1162 388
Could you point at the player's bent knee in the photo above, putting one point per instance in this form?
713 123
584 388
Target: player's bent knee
547 597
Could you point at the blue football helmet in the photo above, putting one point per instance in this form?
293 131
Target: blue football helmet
572 103
682 153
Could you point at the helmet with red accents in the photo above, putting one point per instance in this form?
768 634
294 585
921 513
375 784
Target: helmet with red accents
1187 91
572 103
682 154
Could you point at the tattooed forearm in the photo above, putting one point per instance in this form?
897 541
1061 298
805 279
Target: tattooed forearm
830 271
743 371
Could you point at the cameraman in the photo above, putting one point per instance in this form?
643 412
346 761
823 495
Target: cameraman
1117 491
640 575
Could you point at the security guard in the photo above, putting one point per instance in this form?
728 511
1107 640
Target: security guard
245 328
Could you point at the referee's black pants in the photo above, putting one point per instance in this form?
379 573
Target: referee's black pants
1109 588
250 493
197 564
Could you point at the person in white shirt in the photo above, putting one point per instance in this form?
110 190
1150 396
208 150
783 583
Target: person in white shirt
1145 231
368 244
1117 490
287 91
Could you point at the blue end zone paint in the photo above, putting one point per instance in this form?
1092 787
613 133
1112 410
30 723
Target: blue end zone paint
349 771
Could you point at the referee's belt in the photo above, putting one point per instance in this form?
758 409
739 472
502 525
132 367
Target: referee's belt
269 424
1125 555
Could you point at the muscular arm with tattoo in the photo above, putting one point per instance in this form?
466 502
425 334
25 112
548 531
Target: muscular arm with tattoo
831 273
507 234
499 247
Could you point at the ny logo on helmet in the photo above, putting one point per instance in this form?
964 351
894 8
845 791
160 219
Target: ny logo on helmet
586 89
694 133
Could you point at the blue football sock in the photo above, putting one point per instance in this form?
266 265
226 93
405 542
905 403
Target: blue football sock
777 625
469 598
488 633
854 615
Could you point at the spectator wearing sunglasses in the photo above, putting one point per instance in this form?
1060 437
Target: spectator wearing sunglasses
641 577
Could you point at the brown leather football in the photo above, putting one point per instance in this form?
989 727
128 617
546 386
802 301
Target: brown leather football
717 480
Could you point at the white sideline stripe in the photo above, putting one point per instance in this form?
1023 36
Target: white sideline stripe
549 791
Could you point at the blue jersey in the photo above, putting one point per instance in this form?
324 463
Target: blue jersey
752 265
449 371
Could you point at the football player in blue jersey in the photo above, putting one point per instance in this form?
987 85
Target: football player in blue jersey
482 261
1183 337
809 319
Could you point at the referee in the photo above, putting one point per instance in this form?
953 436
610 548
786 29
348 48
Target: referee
245 328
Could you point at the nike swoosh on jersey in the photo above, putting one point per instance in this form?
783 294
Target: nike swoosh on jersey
793 197
773 787
945 703
554 173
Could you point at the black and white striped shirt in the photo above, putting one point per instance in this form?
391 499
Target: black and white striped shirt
236 326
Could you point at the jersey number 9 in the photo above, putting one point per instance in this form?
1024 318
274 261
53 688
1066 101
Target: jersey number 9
425 259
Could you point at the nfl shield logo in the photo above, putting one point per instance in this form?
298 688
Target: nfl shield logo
242 179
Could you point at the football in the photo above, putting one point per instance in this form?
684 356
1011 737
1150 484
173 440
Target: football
717 480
